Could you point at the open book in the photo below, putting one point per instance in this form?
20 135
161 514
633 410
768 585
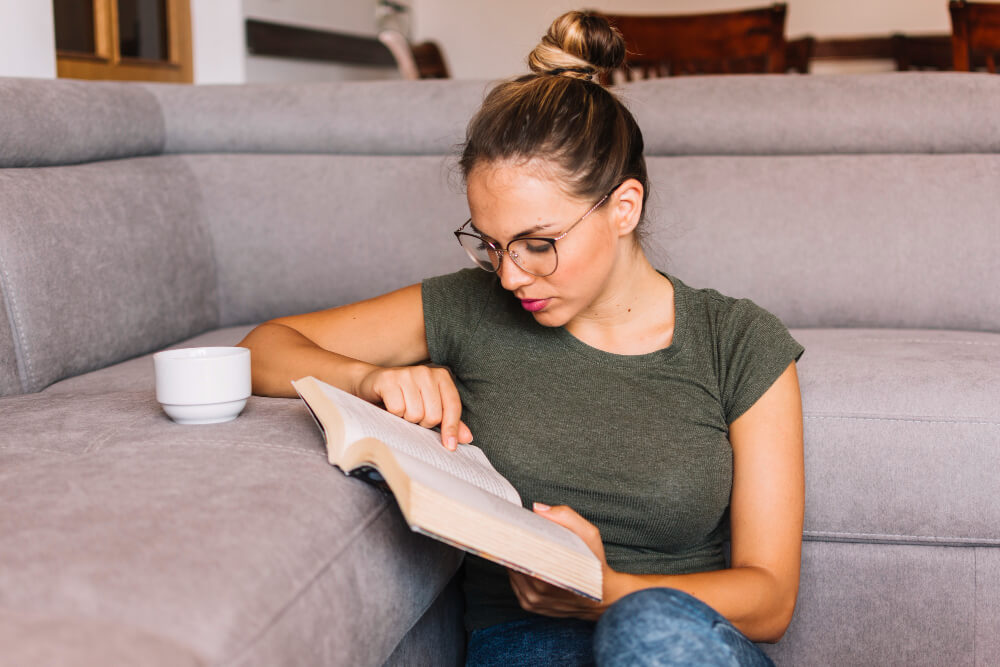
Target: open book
456 497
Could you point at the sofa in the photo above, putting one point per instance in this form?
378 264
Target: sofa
864 210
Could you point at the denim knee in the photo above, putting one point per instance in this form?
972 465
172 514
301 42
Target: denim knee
663 626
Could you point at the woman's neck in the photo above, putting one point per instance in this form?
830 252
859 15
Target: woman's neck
633 315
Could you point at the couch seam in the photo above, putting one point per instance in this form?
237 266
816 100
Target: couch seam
21 353
927 539
915 420
975 606
927 340
270 623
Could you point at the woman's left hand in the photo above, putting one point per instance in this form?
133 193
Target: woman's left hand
542 598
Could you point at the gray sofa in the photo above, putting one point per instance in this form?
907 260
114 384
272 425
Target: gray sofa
863 210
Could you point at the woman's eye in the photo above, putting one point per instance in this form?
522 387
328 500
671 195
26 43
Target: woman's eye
537 247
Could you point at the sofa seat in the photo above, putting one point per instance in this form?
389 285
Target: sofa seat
901 489
227 544
909 459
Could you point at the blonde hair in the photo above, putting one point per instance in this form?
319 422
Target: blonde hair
561 115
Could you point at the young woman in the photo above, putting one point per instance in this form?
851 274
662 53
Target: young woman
656 420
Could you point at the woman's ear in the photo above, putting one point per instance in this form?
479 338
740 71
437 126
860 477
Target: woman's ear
626 204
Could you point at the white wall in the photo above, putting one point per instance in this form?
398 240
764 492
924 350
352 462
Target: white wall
27 39
218 41
489 39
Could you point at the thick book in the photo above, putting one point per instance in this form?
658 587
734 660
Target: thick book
455 497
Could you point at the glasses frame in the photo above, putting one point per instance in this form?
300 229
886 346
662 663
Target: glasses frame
459 233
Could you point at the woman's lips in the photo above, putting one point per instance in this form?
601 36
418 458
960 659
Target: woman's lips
534 305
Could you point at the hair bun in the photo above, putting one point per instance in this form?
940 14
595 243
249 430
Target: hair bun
578 45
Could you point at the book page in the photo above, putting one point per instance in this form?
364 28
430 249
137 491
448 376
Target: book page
468 463
523 519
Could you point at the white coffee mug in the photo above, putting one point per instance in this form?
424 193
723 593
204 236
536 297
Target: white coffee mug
202 385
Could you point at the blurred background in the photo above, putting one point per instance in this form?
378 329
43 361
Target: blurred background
239 41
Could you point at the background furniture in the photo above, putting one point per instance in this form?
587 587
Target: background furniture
975 30
743 41
860 209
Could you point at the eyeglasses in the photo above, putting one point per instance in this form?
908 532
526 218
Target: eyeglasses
535 255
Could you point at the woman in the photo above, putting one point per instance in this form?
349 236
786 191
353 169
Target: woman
655 420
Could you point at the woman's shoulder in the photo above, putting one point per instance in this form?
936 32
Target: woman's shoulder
715 305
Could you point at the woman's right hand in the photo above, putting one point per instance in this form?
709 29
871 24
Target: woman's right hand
423 395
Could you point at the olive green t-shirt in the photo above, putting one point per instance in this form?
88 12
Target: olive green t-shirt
637 444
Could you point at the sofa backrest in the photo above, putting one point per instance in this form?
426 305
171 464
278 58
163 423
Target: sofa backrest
135 215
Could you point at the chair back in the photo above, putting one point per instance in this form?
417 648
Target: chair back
975 31
742 41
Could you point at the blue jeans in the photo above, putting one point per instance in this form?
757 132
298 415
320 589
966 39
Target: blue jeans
658 626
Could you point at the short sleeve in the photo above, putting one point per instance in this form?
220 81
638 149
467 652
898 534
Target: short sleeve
756 348
454 305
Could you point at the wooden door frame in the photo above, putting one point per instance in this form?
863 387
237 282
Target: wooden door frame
107 63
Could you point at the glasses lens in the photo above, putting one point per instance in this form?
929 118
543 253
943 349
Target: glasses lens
535 256
481 252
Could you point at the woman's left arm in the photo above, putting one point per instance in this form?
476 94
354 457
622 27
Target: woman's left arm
757 593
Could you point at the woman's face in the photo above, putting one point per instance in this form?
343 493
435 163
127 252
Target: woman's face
512 201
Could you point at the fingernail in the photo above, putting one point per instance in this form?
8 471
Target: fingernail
452 442
541 507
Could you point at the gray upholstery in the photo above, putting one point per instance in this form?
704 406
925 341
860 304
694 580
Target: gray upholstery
10 381
861 236
906 112
63 122
234 541
299 233
102 262
860 209
366 118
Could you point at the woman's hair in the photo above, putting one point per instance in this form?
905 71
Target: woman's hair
560 115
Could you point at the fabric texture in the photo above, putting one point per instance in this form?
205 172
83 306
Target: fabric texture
886 604
10 379
62 121
351 118
862 237
644 454
299 233
902 432
102 262
897 112
231 563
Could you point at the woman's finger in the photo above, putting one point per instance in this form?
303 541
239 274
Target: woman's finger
451 413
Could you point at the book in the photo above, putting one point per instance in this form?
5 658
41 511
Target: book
456 497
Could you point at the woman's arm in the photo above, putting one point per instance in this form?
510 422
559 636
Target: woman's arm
757 593
366 348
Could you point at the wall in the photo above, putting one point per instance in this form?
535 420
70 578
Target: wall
488 39
27 39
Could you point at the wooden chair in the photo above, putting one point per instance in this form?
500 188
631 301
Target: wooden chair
975 31
743 41
415 61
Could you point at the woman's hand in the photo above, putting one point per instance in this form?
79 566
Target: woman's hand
541 598
423 395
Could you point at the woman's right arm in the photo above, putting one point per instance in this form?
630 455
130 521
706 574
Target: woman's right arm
367 348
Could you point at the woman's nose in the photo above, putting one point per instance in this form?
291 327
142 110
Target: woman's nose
512 276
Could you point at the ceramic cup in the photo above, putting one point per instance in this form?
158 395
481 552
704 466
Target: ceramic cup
203 385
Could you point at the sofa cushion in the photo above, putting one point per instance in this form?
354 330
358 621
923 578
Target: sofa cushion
101 262
893 241
902 436
45 122
294 233
234 542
